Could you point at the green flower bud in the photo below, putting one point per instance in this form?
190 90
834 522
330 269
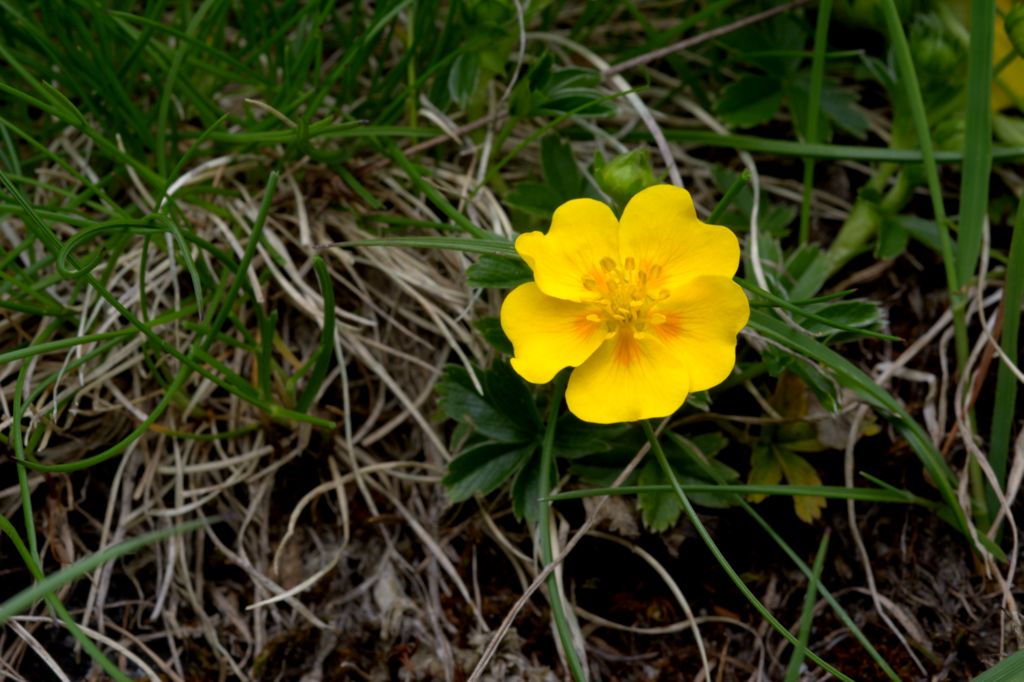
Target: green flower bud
937 53
1015 28
625 175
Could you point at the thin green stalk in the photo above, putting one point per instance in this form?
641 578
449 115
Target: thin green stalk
691 514
828 491
977 166
1003 412
807 615
813 109
831 152
547 463
87 644
837 608
730 194
912 89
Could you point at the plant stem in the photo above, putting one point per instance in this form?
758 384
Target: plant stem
813 109
691 514
547 464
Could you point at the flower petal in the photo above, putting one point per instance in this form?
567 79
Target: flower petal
547 333
703 318
628 379
659 227
583 231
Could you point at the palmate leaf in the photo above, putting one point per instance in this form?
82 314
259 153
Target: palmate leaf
505 412
484 467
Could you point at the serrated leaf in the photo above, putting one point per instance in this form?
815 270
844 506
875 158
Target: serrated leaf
526 495
498 272
659 510
749 101
482 468
798 471
809 267
511 395
764 470
575 438
459 400
838 107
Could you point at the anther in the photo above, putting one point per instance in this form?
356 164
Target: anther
630 263
655 271
589 283
594 317
656 318
663 294
607 264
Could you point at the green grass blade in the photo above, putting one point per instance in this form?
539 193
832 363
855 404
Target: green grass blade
24 600
977 166
807 615
325 351
813 109
912 90
827 152
1010 669
852 377
494 247
691 514
797 310
1004 407
547 462
828 491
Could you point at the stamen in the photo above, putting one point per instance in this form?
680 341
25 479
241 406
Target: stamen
593 317
663 294
607 264
589 283
630 263
656 318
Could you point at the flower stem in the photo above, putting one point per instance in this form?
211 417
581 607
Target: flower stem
547 464
691 514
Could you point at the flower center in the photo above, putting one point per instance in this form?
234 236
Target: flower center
623 297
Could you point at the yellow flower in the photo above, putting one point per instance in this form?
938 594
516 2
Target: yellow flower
644 308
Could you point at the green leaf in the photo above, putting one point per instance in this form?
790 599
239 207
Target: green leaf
809 267
838 107
560 169
459 400
511 395
575 438
497 272
463 77
659 510
534 198
490 329
1009 669
526 493
482 468
892 239
750 101
850 376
